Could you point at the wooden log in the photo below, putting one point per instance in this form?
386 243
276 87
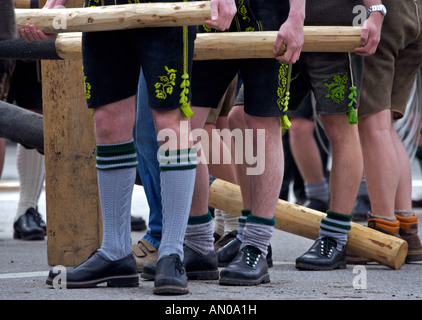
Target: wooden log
74 224
239 45
118 17
363 241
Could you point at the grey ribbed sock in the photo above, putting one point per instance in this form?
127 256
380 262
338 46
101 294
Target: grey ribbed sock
318 190
116 171
336 226
177 174
199 234
258 232
241 224
116 187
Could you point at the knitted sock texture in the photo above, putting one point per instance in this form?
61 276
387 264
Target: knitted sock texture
337 226
116 170
177 178
319 190
200 234
241 223
258 232
31 170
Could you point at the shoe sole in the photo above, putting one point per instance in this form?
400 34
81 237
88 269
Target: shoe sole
32 236
413 257
203 275
116 282
311 267
244 282
193 275
170 290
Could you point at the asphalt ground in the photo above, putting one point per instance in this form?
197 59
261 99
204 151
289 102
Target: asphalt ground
24 268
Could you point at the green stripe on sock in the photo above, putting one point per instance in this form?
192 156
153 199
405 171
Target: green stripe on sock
116 156
255 219
200 219
336 222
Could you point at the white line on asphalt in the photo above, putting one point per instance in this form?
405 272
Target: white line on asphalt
23 275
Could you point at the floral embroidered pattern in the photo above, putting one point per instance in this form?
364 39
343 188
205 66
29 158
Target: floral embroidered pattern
283 92
87 87
336 90
243 11
166 85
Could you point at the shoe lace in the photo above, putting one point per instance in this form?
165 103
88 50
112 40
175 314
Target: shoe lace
327 245
36 215
179 264
252 255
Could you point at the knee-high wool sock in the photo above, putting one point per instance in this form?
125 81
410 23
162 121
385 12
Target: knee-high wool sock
30 165
177 174
116 169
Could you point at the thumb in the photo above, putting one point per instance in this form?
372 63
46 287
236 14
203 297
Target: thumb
214 10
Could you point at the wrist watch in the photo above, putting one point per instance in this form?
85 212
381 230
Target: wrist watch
380 7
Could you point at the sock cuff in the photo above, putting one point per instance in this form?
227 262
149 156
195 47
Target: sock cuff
116 156
255 219
200 219
245 212
336 222
181 159
339 216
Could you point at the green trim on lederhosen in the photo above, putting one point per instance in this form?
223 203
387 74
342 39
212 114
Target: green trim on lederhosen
186 109
283 91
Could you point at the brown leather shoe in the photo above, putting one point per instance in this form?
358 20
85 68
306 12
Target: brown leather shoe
144 253
409 231
225 239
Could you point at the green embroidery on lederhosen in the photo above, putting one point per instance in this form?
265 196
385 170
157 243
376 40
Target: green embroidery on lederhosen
87 86
283 92
244 20
336 90
166 86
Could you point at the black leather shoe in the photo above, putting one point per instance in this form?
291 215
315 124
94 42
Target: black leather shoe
227 253
200 267
197 266
247 269
316 204
137 223
27 227
96 270
170 277
323 255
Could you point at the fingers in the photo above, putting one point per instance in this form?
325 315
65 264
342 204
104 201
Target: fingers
31 33
287 51
222 13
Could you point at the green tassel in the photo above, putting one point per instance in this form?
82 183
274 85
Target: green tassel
285 122
353 117
187 111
